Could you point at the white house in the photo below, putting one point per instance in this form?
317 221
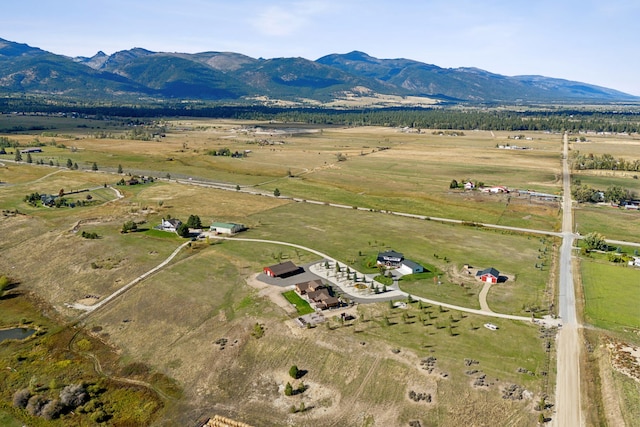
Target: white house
226 228
170 224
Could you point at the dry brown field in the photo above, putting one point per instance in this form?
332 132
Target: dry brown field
360 373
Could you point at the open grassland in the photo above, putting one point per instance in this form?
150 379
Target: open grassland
446 247
195 321
613 223
365 368
382 168
611 296
625 146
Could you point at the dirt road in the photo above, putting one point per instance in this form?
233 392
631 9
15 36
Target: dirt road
568 410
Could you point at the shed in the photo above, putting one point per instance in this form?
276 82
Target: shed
226 228
488 275
284 269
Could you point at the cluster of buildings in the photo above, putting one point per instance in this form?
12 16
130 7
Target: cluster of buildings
228 228
393 259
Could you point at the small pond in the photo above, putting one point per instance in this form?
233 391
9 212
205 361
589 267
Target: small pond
15 333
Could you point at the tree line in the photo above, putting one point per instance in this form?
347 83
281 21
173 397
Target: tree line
605 161
467 118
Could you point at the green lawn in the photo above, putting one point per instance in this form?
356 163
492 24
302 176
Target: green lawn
611 294
301 305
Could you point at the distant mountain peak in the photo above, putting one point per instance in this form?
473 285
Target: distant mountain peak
230 76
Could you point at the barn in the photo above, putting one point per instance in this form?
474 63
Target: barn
488 275
284 269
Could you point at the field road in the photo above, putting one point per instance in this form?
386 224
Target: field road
567 406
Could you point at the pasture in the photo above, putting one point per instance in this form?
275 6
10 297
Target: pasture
194 321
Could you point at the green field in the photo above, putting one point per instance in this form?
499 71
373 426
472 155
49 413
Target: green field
611 296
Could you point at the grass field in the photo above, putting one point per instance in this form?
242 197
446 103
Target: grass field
193 320
611 296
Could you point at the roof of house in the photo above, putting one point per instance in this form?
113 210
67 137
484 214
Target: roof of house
174 222
283 268
312 285
411 264
225 225
390 254
492 271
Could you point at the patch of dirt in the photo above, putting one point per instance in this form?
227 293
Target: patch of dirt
625 358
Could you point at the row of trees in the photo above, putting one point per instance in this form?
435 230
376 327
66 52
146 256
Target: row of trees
613 194
604 162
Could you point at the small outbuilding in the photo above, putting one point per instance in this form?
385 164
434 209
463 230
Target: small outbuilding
488 275
226 228
284 269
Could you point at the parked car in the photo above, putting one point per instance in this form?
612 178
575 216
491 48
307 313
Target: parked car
490 326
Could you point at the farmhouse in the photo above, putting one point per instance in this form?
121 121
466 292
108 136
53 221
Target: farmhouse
226 228
488 275
410 267
317 294
284 269
390 258
170 224
304 287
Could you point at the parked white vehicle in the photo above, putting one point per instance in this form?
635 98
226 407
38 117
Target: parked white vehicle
490 326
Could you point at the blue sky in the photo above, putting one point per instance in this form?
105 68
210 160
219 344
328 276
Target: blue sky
592 41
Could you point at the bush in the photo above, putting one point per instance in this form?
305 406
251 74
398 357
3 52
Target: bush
288 389
73 395
36 405
52 410
294 372
21 398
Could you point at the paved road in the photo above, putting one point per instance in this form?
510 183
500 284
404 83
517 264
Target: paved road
567 406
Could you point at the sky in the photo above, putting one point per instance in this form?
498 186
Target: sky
591 41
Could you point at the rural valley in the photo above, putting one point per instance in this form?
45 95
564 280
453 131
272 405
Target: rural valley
146 256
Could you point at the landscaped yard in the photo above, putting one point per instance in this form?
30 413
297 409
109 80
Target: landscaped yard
301 305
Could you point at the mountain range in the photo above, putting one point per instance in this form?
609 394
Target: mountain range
140 74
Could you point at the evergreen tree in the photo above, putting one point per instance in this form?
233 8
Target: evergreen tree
69 164
18 156
119 168
29 159
94 167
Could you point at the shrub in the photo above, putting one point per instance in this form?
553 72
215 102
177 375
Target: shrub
294 372
36 404
52 409
73 395
288 389
21 398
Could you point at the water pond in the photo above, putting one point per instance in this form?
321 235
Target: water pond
15 333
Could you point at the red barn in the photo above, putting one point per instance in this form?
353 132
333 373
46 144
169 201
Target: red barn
283 269
488 275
